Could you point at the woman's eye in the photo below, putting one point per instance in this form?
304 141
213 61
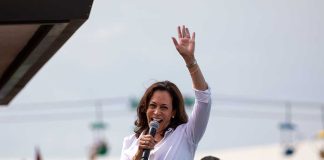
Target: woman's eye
164 108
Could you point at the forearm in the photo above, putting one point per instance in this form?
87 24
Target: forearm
138 155
197 76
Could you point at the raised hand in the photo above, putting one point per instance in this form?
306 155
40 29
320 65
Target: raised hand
186 47
185 44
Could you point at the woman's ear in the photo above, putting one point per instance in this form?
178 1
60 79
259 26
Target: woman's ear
173 114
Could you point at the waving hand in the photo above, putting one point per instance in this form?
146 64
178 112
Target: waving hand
185 44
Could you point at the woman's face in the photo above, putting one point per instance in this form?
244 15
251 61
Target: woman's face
160 109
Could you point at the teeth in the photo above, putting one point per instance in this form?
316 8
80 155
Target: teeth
157 119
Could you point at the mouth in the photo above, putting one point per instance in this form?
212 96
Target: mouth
156 119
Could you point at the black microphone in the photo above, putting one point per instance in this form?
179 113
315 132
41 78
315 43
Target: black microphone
154 125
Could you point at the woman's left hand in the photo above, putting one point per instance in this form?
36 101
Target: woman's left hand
185 44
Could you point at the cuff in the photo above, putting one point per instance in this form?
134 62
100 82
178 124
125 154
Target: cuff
203 96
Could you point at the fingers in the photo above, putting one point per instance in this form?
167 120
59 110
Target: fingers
146 142
179 32
193 36
175 41
183 31
187 33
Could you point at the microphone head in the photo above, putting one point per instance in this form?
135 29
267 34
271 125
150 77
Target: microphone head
154 124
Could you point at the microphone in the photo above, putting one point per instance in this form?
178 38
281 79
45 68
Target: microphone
154 125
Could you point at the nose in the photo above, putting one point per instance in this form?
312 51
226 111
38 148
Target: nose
157 111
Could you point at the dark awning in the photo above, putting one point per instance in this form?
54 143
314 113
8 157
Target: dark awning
31 31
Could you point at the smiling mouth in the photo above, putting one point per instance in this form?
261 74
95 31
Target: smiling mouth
156 119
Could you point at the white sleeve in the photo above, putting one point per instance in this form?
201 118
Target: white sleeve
126 144
200 114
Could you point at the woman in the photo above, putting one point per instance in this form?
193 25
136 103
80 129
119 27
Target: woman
177 136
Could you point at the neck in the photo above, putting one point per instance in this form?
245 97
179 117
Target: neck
158 137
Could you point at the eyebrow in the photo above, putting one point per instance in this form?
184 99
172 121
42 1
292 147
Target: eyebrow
164 104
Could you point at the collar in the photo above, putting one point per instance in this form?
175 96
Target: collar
169 131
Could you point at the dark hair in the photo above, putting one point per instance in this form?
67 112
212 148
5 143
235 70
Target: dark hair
180 117
210 158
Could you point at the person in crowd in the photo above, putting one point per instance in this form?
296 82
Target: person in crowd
210 158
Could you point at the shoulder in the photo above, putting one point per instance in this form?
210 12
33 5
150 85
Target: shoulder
131 137
128 141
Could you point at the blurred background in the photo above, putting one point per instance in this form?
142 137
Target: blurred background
262 60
